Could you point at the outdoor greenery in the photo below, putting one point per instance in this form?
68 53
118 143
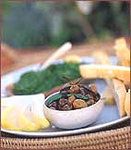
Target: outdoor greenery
30 24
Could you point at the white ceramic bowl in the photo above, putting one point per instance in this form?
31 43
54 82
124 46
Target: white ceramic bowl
73 119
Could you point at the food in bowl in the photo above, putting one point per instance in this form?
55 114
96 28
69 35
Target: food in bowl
76 109
74 96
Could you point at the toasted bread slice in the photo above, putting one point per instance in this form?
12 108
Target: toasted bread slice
119 95
108 95
128 104
101 57
122 52
105 71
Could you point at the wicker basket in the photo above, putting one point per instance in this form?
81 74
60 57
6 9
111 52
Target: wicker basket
111 139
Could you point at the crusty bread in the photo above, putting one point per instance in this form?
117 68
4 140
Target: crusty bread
122 52
120 95
128 103
105 71
101 57
108 96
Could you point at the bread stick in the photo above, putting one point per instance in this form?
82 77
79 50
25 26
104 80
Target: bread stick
128 103
106 72
119 95
122 52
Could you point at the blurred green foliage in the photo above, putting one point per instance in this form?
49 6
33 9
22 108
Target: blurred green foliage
30 24
110 18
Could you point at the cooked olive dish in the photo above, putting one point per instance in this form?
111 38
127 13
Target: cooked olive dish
74 95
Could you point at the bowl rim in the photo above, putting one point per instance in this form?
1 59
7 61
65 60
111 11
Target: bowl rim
89 107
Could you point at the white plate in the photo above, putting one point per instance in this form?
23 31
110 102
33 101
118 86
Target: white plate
108 117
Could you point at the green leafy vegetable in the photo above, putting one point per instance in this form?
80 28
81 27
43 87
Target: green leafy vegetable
42 81
80 96
54 98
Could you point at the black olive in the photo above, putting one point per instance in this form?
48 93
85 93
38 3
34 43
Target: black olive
83 92
91 102
65 88
93 88
66 107
63 101
64 94
74 89
71 99
53 104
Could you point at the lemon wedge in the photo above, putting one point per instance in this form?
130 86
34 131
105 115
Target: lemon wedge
8 118
33 124
26 125
41 121
14 119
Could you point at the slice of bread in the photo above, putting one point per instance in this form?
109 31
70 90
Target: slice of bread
122 51
128 104
119 95
108 96
101 57
105 71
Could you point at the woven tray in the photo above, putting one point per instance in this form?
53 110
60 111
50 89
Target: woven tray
112 139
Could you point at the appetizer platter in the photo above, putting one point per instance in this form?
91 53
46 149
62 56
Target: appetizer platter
70 96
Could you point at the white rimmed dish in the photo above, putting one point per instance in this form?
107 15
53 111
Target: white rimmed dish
73 119
107 118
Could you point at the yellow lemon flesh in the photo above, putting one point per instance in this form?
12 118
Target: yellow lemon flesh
41 121
35 124
14 119
8 119
26 125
